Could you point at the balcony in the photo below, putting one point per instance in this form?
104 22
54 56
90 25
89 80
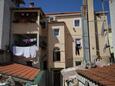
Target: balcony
25 17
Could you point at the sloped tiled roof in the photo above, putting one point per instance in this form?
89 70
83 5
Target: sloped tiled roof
19 71
104 76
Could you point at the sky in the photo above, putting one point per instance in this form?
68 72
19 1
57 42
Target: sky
52 6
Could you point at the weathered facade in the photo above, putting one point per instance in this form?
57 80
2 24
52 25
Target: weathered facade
58 38
112 15
29 23
75 31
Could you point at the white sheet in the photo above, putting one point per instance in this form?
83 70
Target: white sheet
18 51
33 51
30 51
26 52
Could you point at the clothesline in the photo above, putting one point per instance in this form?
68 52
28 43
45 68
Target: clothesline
26 42
30 51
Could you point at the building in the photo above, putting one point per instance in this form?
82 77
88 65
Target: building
59 50
4 29
56 41
112 13
19 24
73 22
28 24
5 19
97 38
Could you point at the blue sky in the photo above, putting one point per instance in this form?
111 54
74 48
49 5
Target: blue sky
52 6
64 5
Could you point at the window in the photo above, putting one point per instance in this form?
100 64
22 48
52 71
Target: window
77 22
77 63
56 54
77 46
56 32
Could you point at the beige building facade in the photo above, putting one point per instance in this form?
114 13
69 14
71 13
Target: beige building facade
75 31
58 38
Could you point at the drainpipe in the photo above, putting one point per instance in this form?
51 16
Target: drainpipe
85 34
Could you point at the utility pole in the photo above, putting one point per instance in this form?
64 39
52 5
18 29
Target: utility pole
85 34
92 29
89 32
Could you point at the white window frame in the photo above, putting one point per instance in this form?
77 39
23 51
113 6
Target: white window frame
80 23
56 27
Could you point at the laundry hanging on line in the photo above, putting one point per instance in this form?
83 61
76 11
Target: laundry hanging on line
30 51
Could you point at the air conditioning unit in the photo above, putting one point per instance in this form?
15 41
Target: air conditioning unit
52 19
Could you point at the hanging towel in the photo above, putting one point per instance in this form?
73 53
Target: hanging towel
18 51
33 51
27 52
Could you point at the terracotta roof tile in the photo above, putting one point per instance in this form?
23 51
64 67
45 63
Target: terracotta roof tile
19 71
103 75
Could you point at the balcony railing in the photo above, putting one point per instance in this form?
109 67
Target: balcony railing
25 17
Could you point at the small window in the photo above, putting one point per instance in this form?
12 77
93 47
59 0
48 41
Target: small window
77 63
56 54
77 23
56 32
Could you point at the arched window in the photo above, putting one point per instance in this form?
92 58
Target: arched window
56 54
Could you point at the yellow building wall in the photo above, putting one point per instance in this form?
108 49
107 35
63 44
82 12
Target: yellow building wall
75 32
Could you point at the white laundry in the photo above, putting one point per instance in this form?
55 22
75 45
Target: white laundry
27 52
18 51
33 51
30 51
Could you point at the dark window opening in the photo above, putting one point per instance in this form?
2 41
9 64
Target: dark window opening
56 54
78 63
76 23
56 32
